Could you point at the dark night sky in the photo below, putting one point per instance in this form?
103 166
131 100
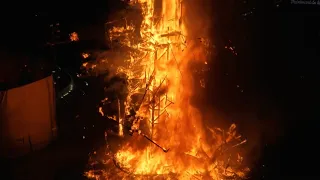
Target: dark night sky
279 50
287 50
28 22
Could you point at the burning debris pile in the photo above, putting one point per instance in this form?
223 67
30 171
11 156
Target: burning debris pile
168 139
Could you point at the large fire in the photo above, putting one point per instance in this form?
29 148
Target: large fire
169 139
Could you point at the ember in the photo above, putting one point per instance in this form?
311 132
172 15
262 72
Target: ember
155 106
85 55
74 36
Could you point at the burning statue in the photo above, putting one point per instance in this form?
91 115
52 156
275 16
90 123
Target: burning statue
156 53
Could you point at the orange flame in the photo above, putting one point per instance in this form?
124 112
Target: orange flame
160 61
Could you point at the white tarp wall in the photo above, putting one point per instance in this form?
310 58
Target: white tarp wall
27 117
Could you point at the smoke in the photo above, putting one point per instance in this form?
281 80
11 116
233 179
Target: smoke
253 114
197 17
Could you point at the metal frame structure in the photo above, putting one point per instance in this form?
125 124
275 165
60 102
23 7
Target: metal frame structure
162 52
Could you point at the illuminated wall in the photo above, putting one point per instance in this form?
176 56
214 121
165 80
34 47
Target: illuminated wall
27 117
